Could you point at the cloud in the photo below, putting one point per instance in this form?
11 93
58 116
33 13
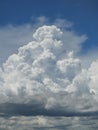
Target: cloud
59 22
14 36
63 23
47 78
48 123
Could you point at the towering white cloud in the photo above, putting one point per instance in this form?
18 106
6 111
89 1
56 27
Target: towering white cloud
46 71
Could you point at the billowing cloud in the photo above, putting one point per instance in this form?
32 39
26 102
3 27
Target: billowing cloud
14 36
46 77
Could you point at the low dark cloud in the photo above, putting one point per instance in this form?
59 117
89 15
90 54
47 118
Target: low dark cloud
11 109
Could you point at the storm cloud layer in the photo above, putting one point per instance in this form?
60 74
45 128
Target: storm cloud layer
46 77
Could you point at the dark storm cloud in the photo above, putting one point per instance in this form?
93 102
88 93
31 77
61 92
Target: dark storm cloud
11 109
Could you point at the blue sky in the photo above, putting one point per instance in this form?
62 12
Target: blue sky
83 13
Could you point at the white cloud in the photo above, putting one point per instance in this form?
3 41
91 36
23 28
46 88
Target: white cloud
72 41
14 36
63 23
70 67
46 71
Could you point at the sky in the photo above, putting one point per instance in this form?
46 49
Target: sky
48 64
82 13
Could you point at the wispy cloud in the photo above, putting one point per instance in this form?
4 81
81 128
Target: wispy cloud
12 37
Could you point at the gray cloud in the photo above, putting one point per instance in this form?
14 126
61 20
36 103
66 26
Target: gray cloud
48 123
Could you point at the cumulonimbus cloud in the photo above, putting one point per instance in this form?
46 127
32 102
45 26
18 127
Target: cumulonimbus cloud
46 74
